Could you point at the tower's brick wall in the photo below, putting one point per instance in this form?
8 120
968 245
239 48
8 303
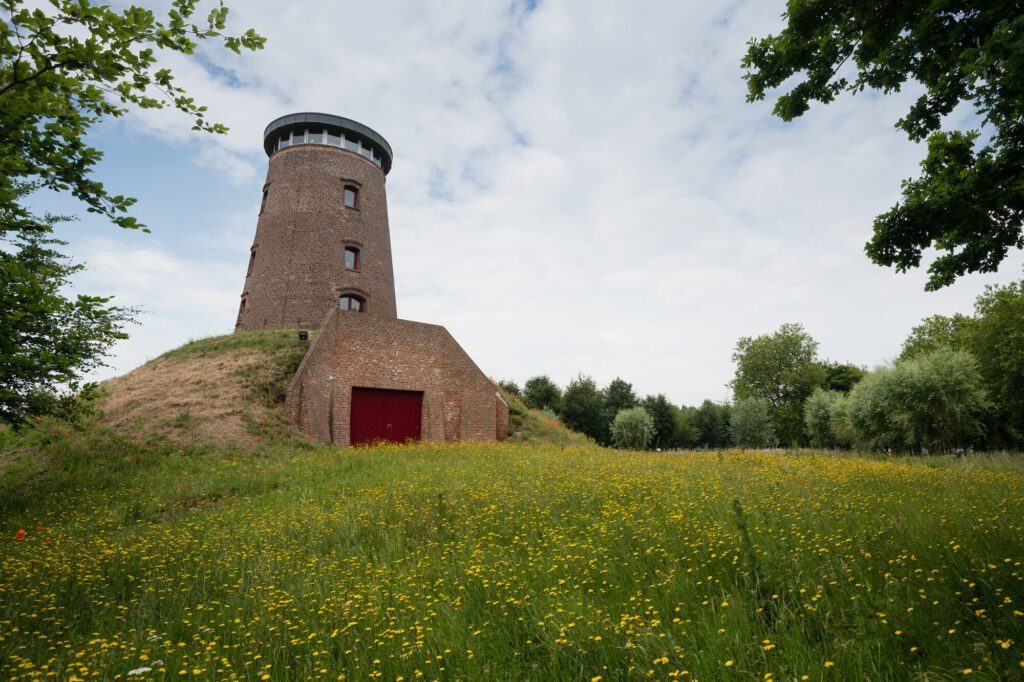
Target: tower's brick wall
357 350
297 269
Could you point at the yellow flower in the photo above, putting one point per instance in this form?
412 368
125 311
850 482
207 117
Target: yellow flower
595 678
728 664
829 664
968 671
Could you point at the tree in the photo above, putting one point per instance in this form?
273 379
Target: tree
839 422
996 338
994 335
618 396
47 340
968 202
818 412
65 65
751 424
934 402
583 408
510 387
783 369
842 377
936 333
540 392
664 415
632 429
687 435
712 424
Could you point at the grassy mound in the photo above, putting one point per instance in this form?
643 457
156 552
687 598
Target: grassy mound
533 426
505 561
226 390
229 390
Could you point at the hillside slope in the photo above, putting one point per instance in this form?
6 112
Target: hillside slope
224 390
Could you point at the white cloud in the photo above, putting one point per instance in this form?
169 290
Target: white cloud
178 299
577 188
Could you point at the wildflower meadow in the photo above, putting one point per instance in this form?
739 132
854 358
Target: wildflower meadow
488 561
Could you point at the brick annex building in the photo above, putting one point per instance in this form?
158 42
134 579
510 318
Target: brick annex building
322 259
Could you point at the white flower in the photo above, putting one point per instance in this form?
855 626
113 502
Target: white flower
139 671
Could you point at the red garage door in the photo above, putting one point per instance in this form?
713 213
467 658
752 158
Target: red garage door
378 414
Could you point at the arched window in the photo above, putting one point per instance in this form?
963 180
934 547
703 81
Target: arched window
351 258
352 302
351 196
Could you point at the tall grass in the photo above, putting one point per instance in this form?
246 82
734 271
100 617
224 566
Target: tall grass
505 561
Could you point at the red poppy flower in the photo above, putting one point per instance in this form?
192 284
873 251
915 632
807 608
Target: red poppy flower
20 535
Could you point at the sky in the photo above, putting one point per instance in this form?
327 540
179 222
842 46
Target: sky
578 187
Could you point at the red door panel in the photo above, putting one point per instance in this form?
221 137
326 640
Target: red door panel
378 414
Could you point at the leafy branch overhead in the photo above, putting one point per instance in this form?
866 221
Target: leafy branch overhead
968 202
66 65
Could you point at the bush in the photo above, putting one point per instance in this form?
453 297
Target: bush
933 402
540 392
751 424
818 412
839 422
632 429
583 407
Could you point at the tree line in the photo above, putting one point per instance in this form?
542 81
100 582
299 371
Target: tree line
957 383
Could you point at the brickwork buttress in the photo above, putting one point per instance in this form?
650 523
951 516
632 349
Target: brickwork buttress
355 350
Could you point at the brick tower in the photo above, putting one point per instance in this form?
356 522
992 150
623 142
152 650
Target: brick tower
322 235
322 260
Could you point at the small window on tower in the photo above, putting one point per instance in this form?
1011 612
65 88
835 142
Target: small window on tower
263 204
298 136
351 302
252 262
351 258
351 196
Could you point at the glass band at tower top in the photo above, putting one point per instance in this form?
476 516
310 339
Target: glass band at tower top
320 135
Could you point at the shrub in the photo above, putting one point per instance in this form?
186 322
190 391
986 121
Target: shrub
540 392
751 423
932 402
818 417
632 429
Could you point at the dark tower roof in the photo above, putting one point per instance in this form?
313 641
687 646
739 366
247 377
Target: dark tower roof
332 123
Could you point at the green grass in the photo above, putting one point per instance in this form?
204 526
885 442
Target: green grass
266 339
535 427
506 561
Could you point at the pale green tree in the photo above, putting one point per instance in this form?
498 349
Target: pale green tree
632 429
818 411
751 423
934 402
